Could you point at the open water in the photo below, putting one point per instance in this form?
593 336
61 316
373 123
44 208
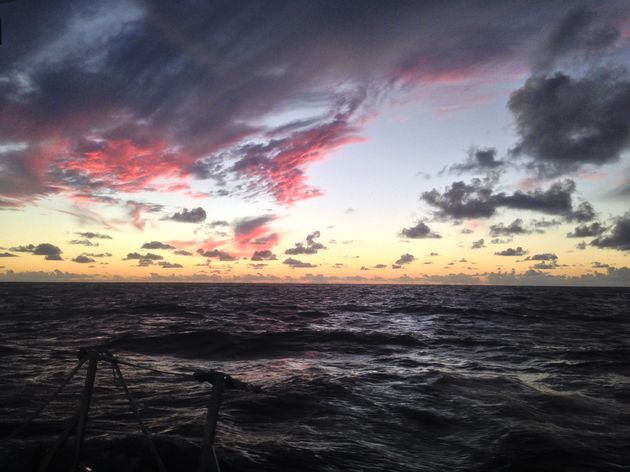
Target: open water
354 378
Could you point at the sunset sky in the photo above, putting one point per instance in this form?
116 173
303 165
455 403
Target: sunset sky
315 141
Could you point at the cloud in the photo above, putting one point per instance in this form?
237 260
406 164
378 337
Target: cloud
587 231
83 259
309 247
169 265
157 245
176 95
98 255
217 254
380 266
28 248
419 231
264 255
7 254
516 227
565 123
83 242
478 244
218 223
148 256
581 32
182 252
479 160
545 223
41 276
479 200
91 235
195 215
254 230
402 260
518 251
547 256
52 252
297 264
618 237
581 245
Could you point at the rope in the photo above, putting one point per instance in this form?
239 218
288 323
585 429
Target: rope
47 402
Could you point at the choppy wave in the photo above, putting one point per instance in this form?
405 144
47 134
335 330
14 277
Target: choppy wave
355 378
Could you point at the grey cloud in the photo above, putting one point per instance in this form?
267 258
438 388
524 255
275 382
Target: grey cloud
518 251
247 225
83 259
217 223
215 253
478 244
92 235
52 253
479 160
28 248
581 245
195 215
516 227
380 266
265 255
587 231
297 264
618 236
547 256
565 123
83 242
98 255
581 32
182 252
7 254
479 200
311 246
405 259
147 256
185 73
156 245
419 231
169 265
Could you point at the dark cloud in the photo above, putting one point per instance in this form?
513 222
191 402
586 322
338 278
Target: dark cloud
265 255
148 256
217 223
310 247
581 245
91 235
83 259
380 266
419 231
182 252
216 254
156 245
297 264
402 260
599 265
479 200
7 254
545 223
478 244
565 123
28 248
618 236
547 256
479 160
247 226
515 227
98 255
518 251
587 231
195 215
581 32
169 265
83 242
181 89
52 253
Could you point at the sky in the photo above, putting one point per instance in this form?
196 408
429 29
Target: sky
460 142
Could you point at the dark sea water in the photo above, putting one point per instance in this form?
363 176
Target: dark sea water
355 378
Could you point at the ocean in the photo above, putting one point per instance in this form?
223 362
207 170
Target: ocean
353 377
